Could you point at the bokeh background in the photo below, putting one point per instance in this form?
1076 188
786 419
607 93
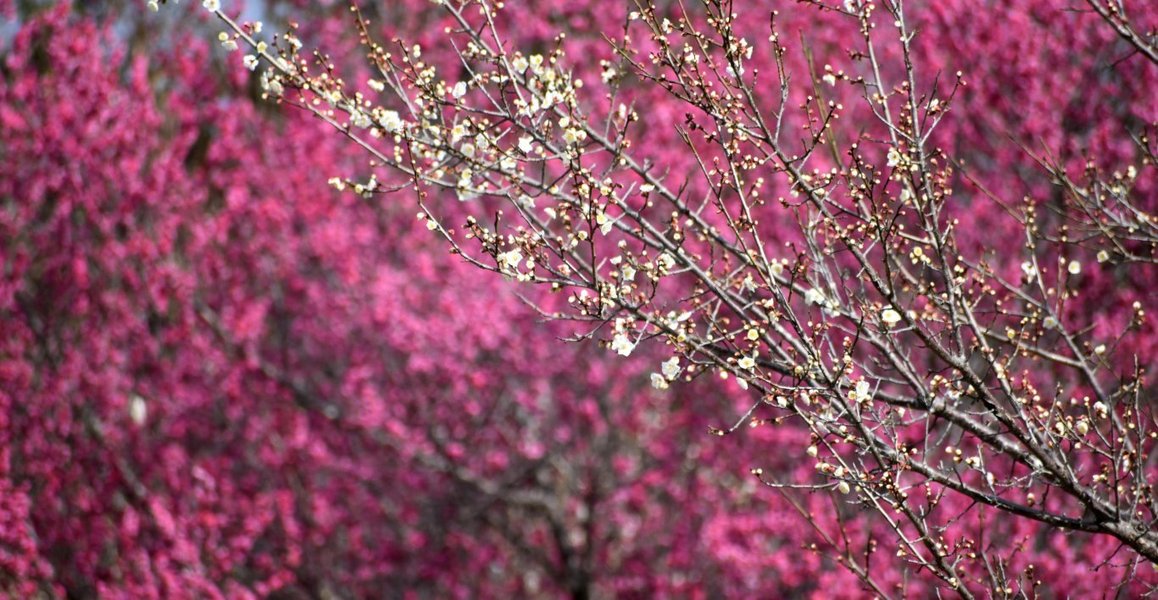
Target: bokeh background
219 377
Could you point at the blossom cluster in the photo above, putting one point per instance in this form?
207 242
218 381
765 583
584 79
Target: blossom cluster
900 265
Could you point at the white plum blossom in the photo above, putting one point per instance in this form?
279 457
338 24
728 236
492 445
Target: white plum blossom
271 85
622 344
776 268
359 119
890 317
457 133
574 135
673 320
211 5
509 260
665 262
1074 267
861 391
368 188
748 362
525 144
391 121
658 381
138 410
1029 270
670 367
250 61
604 222
227 42
459 89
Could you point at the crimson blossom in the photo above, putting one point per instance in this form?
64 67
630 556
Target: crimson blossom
223 377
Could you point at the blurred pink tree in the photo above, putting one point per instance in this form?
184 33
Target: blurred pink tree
221 378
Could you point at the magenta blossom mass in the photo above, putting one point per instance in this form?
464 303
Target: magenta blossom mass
588 299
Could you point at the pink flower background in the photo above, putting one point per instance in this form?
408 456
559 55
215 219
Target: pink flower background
219 377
